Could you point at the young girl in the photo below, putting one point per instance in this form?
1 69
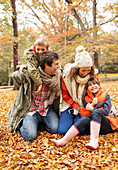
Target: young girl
94 117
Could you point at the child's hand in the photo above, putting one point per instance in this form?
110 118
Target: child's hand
95 101
39 89
89 107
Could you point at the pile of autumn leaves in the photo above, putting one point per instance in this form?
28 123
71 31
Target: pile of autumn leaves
15 153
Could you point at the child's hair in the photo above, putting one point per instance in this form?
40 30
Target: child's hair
42 42
89 82
47 58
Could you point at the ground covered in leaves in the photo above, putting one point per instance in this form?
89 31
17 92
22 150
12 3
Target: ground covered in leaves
16 153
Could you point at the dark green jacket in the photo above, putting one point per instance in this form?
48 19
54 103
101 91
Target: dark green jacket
32 65
22 102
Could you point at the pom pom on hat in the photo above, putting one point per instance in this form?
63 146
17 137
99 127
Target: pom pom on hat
82 58
80 48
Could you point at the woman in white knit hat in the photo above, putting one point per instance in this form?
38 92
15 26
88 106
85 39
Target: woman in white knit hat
75 77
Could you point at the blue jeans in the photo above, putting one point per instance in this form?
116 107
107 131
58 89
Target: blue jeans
83 122
97 116
67 119
31 124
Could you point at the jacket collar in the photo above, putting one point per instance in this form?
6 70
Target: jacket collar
92 96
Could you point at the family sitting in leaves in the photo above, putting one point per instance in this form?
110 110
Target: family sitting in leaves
84 108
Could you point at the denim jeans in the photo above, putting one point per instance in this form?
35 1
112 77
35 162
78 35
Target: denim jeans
97 116
67 119
31 124
83 122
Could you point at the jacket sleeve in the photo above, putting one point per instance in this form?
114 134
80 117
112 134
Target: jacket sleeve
32 66
107 106
67 98
19 77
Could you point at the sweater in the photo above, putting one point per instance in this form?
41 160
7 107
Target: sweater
67 99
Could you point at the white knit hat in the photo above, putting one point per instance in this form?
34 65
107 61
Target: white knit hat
82 58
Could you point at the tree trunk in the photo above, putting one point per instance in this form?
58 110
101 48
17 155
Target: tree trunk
9 73
96 59
15 33
15 44
95 33
94 21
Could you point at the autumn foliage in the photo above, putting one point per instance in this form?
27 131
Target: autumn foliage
16 153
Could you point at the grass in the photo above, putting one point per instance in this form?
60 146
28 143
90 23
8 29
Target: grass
108 75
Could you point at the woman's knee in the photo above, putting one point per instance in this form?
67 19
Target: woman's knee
63 127
62 131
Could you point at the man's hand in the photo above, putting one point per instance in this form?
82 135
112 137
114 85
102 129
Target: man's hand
89 107
39 89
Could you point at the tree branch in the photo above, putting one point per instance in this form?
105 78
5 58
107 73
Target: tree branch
77 18
110 20
73 37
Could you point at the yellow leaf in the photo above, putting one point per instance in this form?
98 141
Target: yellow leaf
39 164
51 156
1 154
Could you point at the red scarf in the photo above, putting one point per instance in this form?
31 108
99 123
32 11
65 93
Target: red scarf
33 48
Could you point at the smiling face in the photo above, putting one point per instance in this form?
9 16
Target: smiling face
52 70
93 87
84 71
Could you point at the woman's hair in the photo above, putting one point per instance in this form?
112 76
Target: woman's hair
89 82
75 70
